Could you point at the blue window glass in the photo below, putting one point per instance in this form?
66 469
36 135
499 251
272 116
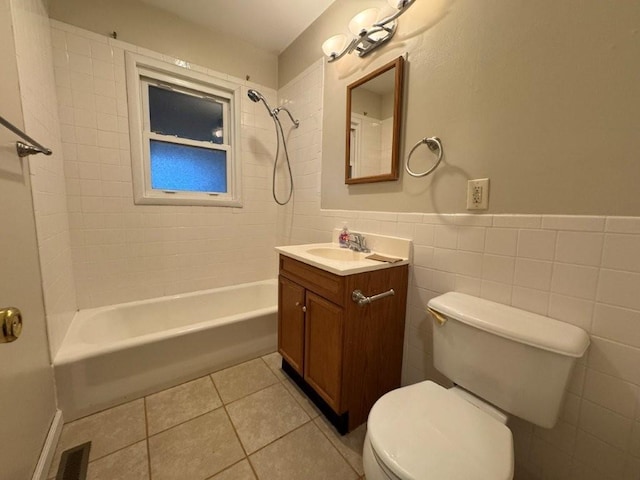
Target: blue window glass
185 116
187 168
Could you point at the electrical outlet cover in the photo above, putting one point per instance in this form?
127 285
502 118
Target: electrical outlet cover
478 194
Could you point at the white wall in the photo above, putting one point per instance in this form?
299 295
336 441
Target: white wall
584 270
539 96
38 96
121 251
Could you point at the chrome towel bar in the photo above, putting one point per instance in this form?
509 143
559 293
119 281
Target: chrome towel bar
358 297
22 148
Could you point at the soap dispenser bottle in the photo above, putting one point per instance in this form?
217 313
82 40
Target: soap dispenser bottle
343 237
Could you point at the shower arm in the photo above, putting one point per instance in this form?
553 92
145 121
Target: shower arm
278 109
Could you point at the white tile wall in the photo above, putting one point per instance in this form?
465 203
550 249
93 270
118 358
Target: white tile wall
584 270
38 95
123 251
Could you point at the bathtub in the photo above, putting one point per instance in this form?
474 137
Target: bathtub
117 353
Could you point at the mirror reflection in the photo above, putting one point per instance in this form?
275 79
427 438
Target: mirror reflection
373 125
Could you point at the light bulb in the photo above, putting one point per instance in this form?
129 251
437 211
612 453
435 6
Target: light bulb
363 21
334 44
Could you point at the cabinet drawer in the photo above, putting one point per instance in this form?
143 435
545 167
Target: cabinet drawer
325 284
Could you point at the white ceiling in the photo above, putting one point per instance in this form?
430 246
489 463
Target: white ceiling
268 24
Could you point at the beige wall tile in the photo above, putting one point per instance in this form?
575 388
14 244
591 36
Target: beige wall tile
615 359
445 236
623 225
619 288
548 460
611 392
574 222
501 241
574 280
599 456
572 310
579 248
533 274
537 244
605 425
498 268
617 324
471 239
530 300
621 252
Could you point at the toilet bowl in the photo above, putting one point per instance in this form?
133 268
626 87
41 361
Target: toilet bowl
425 431
504 359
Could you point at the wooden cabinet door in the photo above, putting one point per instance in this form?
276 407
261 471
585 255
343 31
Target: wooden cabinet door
291 323
323 348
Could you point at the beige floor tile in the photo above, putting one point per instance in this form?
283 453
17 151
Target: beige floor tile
179 404
108 431
239 381
305 454
240 471
128 463
196 449
301 398
274 361
349 445
264 416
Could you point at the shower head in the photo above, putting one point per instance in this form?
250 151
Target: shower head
256 96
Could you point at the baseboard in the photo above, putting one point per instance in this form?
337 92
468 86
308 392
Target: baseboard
49 447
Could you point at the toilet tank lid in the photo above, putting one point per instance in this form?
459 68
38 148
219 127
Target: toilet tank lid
512 323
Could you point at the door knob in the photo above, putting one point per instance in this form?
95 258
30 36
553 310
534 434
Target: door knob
11 324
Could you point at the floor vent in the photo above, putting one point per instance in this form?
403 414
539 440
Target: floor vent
73 463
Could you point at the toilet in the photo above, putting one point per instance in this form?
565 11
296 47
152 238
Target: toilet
502 361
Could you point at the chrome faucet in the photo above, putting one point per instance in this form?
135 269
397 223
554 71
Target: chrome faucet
357 243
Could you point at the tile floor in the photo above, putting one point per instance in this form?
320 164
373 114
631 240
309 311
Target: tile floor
244 423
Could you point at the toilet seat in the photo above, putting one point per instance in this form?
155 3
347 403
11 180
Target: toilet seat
424 431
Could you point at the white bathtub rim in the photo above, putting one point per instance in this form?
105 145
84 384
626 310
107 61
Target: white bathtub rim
81 350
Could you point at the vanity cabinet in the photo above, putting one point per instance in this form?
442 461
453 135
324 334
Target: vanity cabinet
343 355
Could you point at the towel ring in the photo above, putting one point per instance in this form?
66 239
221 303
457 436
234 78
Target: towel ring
435 145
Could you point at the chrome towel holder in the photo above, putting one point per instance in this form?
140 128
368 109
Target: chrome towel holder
435 145
22 148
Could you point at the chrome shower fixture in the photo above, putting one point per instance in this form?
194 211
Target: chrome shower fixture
256 96
369 33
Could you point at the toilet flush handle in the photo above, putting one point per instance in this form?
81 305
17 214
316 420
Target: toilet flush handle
437 316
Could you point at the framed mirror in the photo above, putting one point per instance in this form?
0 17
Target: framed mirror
374 111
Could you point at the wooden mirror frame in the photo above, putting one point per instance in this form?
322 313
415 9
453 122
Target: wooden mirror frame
398 64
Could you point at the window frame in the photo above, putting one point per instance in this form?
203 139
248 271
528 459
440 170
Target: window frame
142 71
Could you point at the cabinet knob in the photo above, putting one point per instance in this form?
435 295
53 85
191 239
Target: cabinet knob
304 308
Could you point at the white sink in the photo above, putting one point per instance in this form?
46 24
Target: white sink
341 254
342 261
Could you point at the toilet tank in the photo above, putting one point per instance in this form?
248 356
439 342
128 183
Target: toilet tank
519 361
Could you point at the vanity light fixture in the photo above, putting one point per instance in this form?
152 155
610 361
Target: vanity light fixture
368 33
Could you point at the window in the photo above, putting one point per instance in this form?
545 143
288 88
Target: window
184 135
